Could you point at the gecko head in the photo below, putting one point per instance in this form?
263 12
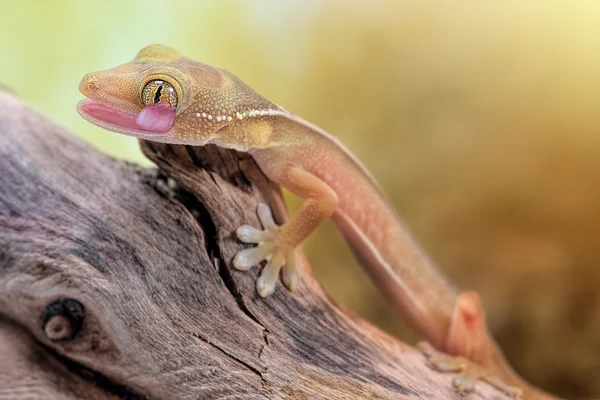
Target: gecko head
159 95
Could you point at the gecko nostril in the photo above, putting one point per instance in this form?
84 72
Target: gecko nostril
89 83
92 85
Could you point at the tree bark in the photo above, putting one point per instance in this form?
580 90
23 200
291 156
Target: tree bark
116 283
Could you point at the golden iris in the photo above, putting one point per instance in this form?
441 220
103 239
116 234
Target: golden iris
159 91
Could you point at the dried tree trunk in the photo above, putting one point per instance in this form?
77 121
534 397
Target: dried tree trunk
115 283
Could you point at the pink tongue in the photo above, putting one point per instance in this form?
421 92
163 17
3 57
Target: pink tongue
157 117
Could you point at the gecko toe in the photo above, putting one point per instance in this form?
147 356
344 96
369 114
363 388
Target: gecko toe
266 217
266 283
246 259
512 391
464 383
289 274
249 234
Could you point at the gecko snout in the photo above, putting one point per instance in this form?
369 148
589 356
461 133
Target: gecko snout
88 84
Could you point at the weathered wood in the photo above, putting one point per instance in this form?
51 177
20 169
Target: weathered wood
147 254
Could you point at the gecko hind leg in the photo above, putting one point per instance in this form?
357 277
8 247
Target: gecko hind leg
278 257
468 372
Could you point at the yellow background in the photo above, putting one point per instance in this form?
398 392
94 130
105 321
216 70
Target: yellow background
481 121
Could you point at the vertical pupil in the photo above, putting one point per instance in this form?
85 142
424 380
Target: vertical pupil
157 94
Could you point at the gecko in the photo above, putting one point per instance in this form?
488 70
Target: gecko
163 96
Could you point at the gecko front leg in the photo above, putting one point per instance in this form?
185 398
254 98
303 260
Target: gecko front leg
269 247
277 244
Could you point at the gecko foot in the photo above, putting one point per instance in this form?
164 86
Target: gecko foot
269 248
468 372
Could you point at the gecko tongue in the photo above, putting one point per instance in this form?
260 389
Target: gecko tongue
157 117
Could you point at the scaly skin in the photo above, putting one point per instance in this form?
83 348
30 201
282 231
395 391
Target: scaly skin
165 97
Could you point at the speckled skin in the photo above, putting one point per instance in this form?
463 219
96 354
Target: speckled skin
216 107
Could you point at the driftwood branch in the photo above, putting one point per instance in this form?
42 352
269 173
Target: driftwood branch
115 283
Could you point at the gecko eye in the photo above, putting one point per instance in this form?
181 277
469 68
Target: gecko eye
159 91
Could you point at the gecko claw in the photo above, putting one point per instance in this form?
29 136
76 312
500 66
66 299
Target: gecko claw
278 257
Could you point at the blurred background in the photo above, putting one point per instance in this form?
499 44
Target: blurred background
481 121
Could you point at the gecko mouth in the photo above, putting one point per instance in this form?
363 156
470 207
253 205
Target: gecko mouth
153 120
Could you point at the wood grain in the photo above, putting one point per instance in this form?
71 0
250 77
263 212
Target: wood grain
147 252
